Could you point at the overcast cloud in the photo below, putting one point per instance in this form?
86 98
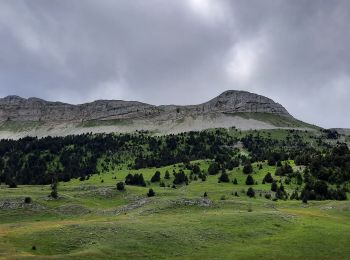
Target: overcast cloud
182 52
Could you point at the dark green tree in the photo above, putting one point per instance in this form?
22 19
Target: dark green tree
156 177
251 192
249 180
224 177
54 188
274 186
167 175
248 168
268 178
120 186
151 193
213 168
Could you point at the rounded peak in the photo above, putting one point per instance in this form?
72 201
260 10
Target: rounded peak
232 101
229 93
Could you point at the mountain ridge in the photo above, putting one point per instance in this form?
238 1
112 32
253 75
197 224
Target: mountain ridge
16 108
241 109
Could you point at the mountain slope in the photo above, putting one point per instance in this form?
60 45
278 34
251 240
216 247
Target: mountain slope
36 117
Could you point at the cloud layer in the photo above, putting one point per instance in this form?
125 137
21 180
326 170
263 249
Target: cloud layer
183 52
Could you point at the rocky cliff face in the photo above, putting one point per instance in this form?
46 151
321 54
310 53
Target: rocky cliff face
241 101
14 108
17 109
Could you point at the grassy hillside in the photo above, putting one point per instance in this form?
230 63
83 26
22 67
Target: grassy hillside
13 126
244 121
276 120
93 220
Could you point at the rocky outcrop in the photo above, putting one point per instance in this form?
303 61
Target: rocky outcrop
17 109
241 101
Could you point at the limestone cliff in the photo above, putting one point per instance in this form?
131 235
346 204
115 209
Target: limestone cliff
17 109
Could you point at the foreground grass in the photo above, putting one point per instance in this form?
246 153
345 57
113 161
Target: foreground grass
92 220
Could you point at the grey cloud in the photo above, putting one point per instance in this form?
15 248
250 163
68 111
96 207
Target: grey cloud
183 52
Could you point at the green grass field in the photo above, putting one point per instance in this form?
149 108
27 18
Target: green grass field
92 220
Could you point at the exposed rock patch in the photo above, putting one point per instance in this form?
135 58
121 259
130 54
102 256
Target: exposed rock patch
18 203
21 117
14 108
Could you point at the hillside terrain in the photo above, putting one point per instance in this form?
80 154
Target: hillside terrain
264 185
219 193
21 117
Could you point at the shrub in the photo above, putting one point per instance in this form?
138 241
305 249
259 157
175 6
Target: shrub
235 182
27 200
205 194
213 168
268 178
294 196
281 193
284 170
224 177
249 180
54 189
180 178
151 193
196 169
136 179
274 186
167 175
12 185
287 181
120 186
268 196
299 178
251 192
271 161
248 168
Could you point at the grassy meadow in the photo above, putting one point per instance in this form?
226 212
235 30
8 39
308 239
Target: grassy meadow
93 220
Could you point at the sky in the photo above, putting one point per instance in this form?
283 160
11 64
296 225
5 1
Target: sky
296 52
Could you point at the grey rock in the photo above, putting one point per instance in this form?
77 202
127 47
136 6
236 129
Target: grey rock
17 109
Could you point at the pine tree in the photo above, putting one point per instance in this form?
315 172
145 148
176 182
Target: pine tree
156 177
251 192
151 193
249 180
274 186
120 186
54 188
224 177
167 175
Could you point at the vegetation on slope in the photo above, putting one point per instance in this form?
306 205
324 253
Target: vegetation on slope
91 219
40 161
